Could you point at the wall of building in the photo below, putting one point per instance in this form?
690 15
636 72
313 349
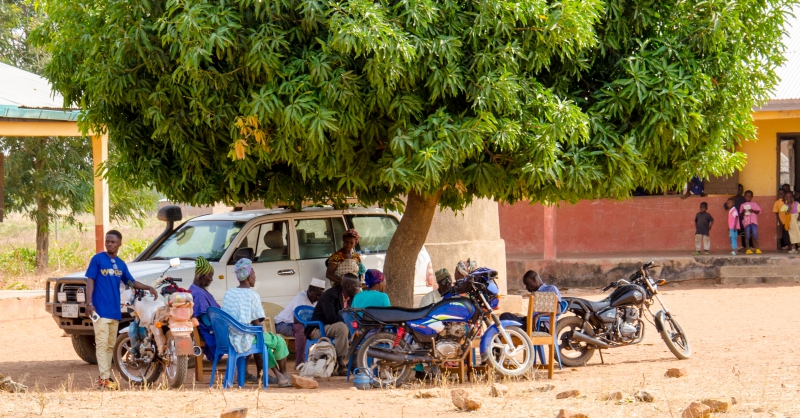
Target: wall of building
639 224
472 233
760 173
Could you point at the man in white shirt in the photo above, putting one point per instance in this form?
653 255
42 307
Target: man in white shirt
285 322
444 282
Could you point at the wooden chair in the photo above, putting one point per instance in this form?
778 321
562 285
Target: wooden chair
543 303
271 310
199 369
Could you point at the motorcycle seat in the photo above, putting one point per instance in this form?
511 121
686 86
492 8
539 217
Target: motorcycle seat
595 306
392 314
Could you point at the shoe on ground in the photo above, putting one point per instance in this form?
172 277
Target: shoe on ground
733 252
272 380
696 253
758 251
793 252
106 384
706 253
749 252
251 378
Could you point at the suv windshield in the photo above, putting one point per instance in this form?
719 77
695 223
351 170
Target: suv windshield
209 239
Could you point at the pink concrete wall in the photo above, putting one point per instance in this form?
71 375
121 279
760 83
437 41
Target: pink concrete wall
641 224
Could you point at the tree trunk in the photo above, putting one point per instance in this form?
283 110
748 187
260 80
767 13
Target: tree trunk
401 257
42 228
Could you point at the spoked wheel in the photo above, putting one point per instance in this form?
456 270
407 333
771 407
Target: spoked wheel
176 366
573 353
135 371
673 335
385 373
514 359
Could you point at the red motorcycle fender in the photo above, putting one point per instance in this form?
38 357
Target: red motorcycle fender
486 340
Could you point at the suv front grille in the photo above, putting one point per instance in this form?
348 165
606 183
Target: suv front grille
72 291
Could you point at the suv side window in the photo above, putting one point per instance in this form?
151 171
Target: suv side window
317 238
376 232
269 241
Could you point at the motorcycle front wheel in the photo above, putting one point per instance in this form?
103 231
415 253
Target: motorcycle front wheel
510 360
385 373
176 365
573 353
135 371
673 335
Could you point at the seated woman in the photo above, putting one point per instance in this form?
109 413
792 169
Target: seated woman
349 240
374 296
203 276
244 304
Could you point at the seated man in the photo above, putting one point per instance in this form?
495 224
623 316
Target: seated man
244 304
285 323
444 282
375 295
329 312
203 276
533 283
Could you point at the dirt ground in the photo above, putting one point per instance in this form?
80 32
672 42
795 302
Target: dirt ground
743 338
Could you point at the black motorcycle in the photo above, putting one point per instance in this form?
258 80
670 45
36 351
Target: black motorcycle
616 321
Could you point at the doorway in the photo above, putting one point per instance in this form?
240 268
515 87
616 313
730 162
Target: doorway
788 158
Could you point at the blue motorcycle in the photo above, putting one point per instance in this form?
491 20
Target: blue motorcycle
389 342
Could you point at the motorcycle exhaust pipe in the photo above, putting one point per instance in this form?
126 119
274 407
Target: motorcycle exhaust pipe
400 358
579 336
198 351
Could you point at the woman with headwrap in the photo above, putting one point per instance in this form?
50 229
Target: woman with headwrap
374 296
349 240
203 276
244 304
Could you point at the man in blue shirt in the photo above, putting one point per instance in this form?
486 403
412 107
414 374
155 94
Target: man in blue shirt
105 272
533 283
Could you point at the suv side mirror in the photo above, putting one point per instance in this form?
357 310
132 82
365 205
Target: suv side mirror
170 213
241 253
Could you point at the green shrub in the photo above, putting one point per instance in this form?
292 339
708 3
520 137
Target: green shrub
17 262
132 248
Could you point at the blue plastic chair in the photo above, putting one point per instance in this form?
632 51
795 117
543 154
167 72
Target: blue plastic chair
545 319
222 323
303 315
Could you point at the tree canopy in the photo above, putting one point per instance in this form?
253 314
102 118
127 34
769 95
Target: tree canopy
289 101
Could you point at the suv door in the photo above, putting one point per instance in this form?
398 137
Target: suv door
277 277
317 239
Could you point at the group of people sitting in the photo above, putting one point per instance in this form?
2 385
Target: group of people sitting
343 270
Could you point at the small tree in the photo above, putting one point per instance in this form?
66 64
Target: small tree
51 178
440 101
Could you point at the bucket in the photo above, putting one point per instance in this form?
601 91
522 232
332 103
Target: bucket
362 379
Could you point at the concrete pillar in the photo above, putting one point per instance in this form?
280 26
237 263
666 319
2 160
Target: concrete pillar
101 221
549 232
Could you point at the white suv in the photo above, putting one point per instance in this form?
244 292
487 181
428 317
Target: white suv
288 248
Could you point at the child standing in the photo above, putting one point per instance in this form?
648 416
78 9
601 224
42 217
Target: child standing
733 224
749 211
703 222
789 210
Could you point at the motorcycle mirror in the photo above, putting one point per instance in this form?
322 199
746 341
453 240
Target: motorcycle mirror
174 262
661 282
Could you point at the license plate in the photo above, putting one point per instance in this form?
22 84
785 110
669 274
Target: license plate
179 329
69 311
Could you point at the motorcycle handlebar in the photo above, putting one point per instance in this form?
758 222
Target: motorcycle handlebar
613 284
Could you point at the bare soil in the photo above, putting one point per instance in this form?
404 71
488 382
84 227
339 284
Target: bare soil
743 338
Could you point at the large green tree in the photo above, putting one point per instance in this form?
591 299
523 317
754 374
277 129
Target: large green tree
440 101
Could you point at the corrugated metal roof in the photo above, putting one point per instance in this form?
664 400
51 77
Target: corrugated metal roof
789 73
25 95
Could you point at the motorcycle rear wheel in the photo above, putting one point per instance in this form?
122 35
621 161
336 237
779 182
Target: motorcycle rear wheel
502 361
175 370
134 372
673 336
573 353
384 373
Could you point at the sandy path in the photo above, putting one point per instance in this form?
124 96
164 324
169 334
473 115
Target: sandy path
744 342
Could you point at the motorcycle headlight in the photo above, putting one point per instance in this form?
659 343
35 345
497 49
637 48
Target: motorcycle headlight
492 287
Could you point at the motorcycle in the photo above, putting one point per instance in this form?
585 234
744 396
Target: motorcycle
388 342
164 329
616 321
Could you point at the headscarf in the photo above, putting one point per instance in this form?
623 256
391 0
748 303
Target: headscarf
351 233
466 267
373 277
202 267
441 275
242 269
347 266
